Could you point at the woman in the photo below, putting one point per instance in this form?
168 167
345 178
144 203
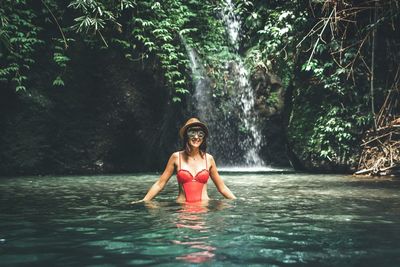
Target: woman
192 160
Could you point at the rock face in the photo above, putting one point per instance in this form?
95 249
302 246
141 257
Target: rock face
116 117
269 93
270 104
110 117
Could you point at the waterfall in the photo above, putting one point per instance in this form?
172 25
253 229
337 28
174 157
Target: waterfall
234 134
201 83
223 141
252 141
232 23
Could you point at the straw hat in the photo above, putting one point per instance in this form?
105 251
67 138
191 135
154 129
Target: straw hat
190 123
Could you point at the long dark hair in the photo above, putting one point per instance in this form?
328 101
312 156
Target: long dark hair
186 146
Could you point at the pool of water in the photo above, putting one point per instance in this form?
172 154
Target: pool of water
277 220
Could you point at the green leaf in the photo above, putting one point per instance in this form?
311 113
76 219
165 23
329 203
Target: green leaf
58 81
176 99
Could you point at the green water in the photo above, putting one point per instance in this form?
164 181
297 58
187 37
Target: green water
277 220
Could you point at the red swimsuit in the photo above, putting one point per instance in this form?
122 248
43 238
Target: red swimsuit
192 186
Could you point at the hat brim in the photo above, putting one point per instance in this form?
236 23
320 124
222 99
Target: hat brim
193 124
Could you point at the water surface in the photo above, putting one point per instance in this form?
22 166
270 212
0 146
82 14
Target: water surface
277 220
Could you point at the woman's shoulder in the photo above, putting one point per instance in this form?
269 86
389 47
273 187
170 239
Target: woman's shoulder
209 156
176 154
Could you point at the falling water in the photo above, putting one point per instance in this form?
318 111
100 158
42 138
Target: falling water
201 82
232 23
253 139
224 139
236 138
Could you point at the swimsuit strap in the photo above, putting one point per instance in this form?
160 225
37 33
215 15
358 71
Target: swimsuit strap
179 156
206 161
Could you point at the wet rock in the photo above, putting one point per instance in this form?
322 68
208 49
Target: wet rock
269 92
270 104
111 116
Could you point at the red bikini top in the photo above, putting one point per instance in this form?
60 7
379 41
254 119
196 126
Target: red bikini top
185 176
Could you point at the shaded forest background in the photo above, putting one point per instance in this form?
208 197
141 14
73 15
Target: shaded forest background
92 86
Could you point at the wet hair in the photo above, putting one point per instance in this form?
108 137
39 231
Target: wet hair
186 146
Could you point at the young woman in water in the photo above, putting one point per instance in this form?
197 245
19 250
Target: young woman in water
193 165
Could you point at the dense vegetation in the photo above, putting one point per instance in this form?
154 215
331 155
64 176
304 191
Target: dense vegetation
337 60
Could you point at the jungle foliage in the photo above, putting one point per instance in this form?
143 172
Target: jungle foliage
138 29
337 59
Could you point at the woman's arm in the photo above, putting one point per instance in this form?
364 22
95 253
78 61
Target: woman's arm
162 181
219 183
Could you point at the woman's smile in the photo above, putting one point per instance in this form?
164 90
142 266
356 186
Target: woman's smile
196 141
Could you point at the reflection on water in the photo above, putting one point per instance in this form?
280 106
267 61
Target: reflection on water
191 217
277 220
194 234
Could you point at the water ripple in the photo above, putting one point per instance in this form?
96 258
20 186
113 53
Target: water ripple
279 219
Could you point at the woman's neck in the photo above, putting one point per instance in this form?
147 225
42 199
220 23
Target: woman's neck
194 152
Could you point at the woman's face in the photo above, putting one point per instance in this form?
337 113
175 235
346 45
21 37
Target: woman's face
195 136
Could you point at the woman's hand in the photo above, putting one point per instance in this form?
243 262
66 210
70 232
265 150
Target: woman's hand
137 201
